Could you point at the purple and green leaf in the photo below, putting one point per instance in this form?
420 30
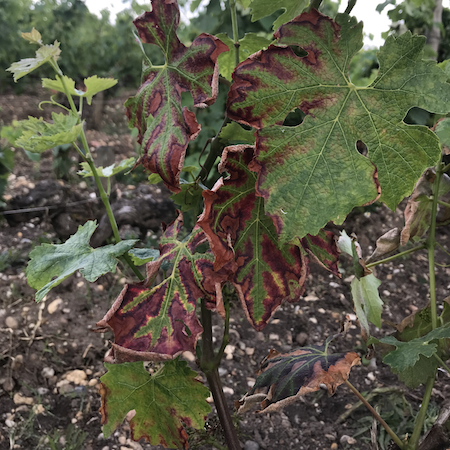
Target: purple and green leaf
165 127
286 377
265 272
163 402
313 173
159 323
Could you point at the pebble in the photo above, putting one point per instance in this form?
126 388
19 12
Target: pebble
228 390
249 351
54 305
229 350
47 372
38 409
122 440
223 371
189 356
301 338
274 337
12 323
66 389
313 320
334 446
347 440
251 445
19 399
93 382
76 376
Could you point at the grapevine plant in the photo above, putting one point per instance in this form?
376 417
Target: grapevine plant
264 219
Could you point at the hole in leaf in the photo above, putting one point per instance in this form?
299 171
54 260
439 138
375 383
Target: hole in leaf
361 147
298 51
294 118
417 116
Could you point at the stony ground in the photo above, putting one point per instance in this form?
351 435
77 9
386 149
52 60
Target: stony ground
51 361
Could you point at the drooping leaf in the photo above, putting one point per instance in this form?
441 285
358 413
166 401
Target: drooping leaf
286 377
419 374
43 54
93 85
163 402
419 323
50 264
407 354
419 206
248 45
165 128
367 301
263 8
109 171
143 255
39 136
313 173
389 242
158 323
266 274
33 36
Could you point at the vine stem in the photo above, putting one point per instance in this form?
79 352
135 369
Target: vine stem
209 365
88 157
350 6
388 429
398 255
418 425
235 31
447 205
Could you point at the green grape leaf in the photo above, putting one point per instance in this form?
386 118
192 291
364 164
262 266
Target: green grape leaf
419 374
264 8
165 127
109 171
39 136
367 301
164 402
407 354
312 173
265 273
34 37
233 133
93 86
286 377
50 264
159 323
419 323
248 45
190 196
142 256
154 178
57 85
443 130
43 54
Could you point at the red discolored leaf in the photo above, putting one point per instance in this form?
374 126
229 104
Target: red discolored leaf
165 128
286 377
158 323
266 273
315 172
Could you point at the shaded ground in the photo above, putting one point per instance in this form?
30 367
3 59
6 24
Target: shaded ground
50 361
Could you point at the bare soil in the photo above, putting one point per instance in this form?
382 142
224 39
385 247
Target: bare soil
51 361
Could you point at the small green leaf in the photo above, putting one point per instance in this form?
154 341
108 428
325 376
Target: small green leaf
43 54
94 85
57 85
163 402
51 264
190 196
33 36
39 136
233 133
248 45
142 256
407 354
443 131
264 8
154 178
367 301
109 171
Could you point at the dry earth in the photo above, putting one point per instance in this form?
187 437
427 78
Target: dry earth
51 361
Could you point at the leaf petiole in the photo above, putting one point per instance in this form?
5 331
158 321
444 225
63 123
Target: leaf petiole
398 255
388 429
